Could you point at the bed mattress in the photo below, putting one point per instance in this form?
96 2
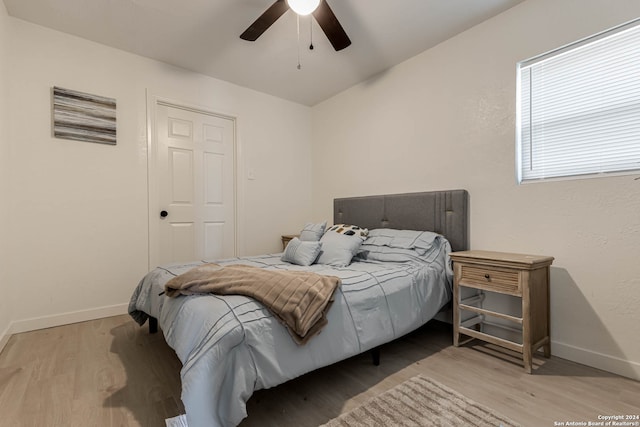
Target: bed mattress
231 346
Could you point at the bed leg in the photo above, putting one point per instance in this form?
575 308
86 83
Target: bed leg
375 356
153 325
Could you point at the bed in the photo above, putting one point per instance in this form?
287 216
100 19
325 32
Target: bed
231 346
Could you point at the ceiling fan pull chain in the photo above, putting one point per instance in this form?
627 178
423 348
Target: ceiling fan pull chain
298 25
311 33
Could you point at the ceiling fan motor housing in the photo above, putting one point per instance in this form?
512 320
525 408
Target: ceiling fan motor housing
322 14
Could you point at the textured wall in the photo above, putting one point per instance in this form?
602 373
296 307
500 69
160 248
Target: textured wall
446 119
5 303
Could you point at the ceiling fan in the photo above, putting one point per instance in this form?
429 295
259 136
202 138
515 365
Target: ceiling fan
320 10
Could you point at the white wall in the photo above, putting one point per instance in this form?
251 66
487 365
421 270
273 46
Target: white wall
5 304
79 225
445 119
73 221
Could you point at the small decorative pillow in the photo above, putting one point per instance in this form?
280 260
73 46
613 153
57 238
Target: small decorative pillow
338 248
301 253
312 232
350 230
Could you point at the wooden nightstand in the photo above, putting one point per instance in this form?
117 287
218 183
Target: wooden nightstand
286 238
525 277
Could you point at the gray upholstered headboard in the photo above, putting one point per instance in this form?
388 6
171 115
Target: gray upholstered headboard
444 212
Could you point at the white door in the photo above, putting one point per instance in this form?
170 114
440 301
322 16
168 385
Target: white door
195 173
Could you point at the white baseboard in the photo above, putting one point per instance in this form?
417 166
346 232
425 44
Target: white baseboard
606 362
4 338
44 322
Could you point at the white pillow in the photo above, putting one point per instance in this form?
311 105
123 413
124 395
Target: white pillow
301 253
350 230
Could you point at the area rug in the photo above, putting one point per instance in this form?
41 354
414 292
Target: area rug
417 402
421 402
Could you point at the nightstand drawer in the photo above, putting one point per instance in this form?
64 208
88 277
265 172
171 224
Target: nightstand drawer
491 279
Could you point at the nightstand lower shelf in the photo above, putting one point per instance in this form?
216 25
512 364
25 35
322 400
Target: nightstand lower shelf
490 339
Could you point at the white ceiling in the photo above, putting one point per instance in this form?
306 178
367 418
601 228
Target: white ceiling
203 36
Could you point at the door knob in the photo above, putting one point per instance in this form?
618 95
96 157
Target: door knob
163 214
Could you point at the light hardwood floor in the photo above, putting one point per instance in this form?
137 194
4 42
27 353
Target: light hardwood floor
110 372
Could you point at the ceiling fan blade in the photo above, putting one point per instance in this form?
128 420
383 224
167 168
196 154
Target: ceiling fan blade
265 20
331 27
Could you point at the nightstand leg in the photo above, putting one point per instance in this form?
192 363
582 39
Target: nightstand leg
528 362
547 350
456 309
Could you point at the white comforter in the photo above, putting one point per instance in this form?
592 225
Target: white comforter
231 346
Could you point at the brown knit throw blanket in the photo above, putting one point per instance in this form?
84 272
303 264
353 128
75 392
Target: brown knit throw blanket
300 299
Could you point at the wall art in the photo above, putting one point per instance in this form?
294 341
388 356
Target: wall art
83 117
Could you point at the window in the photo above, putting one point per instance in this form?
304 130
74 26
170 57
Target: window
578 108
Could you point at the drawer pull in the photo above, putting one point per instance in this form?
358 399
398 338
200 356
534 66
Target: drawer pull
486 276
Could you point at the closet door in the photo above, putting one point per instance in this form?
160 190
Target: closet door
195 174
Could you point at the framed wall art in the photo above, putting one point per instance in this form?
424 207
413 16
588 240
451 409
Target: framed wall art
83 117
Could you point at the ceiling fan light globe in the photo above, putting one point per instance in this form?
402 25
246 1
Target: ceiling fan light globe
303 7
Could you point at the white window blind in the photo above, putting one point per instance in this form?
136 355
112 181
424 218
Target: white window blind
579 108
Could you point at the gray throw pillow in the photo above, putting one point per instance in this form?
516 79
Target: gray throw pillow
301 253
338 249
312 232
